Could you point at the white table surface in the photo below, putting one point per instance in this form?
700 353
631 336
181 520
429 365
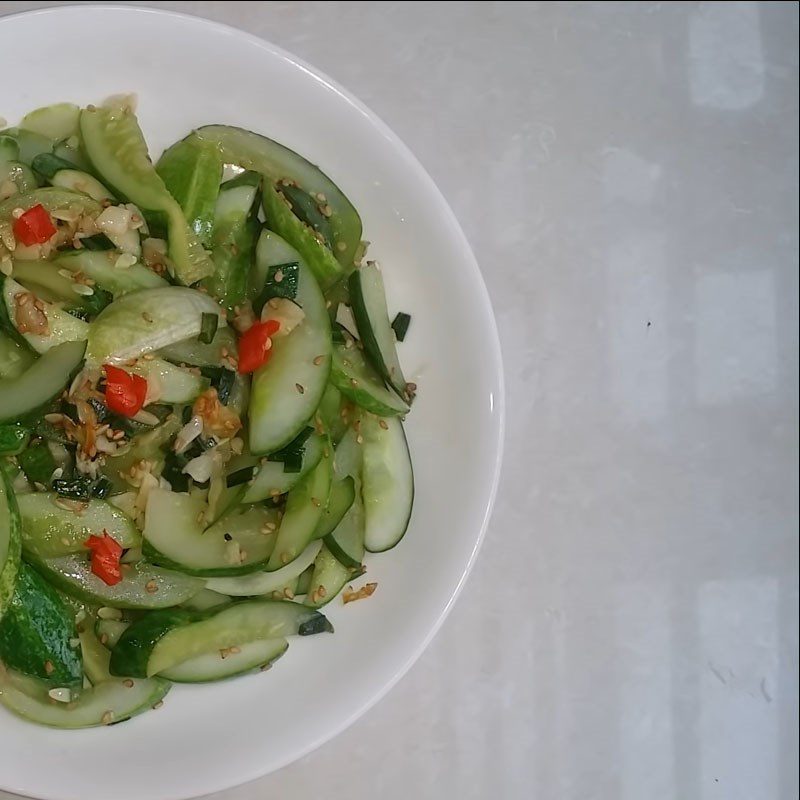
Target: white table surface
627 175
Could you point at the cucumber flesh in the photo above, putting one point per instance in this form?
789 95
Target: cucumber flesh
10 547
30 143
192 170
264 583
218 665
205 599
56 122
15 357
387 483
356 380
50 530
20 175
304 508
96 658
61 326
44 380
167 383
272 479
109 631
99 266
372 318
36 630
199 354
107 702
79 181
341 498
288 388
117 150
143 585
237 544
54 199
328 579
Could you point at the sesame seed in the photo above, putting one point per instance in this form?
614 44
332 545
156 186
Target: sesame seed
275 492
48 667
321 591
384 424
318 360
103 638
107 718
285 558
341 246
158 705
151 587
147 317
265 667
128 683
278 276
235 650
270 526
288 593
360 439
353 382
299 388
316 502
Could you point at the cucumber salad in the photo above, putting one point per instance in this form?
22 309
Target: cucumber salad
201 409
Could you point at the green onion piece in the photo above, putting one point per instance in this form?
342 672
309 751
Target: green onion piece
240 476
208 328
37 463
400 325
13 439
292 454
222 380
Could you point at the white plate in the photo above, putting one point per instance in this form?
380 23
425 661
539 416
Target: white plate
188 72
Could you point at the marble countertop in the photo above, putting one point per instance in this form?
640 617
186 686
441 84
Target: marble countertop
627 176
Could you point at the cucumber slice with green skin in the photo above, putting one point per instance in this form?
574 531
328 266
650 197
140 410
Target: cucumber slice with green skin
167 383
15 357
372 318
109 631
54 199
329 578
199 354
340 500
357 380
30 143
95 657
50 530
9 149
329 415
346 540
41 383
62 326
219 665
237 544
10 547
234 237
56 122
143 586
192 171
148 320
73 155
106 703
79 181
205 599
264 155
271 251
99 266
47 281
47 164
36 630
19 174
272 479
13 439
288 388
117 150
304 581
163 639
265 583
387 483
305 506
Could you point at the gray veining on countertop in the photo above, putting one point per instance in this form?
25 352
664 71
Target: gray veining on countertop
627 176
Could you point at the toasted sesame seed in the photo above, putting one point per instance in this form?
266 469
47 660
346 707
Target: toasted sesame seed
341 246
265 667
107 718
103 638
318 360
147 317
360 439
288 593
128 683
278 275
357 425
151 587
353 382
384 424
270 526
235 650
321 591
299 388
48 667
325 452
285 558
316 502
275 492
158 705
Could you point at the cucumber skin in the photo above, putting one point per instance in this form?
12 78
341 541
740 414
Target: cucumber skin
10 568
131 653
37 628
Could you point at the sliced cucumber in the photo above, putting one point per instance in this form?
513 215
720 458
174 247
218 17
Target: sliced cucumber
332 413
234 238
221 664
148 320
56 122
10 547
346 540
106 703
305 506
264 583
44 380
61 326
50 283
205 599
288 388
341 498
54 199
163 639
9 149
199 354
15 357
357 380
272 478
142 586
99 266
167 383
109 631
49 530
13 439
372 318
20 175
117 150
29 143
79 181
237 544
96 658
277 162
36 631
387 483
328 579
192 170
304 581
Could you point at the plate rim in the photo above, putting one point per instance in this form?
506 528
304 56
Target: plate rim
498 393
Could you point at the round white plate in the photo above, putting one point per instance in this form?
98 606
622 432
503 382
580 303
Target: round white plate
188 72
